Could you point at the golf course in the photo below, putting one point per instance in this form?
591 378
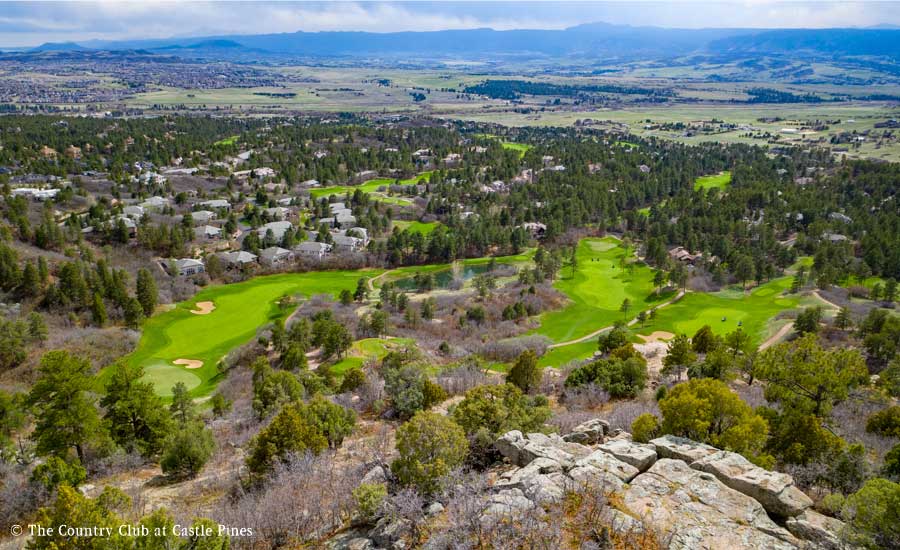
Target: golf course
240 310
371 187
716 181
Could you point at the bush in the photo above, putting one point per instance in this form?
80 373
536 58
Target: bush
499 409
615 338
525 373
621 378
645 427
353 379
369 498
891 467
661 392
832 504
56 471
290 432
187 450
873 514
885 422
430 447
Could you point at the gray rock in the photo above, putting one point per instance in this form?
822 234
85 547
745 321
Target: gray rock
375 475
588 433
700 512
541 481
505 504
774 490
434 509
350 540
679 448
521 450
390 531
510 445
639 455
596 478
820 530
610 464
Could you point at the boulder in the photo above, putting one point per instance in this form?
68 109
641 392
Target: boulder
639 455
610 464
697 511
510 445
521 450
541 481
434 509
388 532
680 448
774 490
824 532
505 504
375 475
588 433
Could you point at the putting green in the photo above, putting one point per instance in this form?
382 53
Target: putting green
164 376
718 181
368 349
241 309
597 290
417 226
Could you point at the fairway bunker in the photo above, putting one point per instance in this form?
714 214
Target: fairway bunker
188 363
657 336
203 308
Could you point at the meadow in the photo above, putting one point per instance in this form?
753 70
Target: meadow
241 309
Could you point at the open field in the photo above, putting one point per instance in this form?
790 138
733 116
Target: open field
597 290
417 226
371 187
716 181
368 349
241 309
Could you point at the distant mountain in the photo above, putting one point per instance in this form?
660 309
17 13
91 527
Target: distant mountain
595 40
59 47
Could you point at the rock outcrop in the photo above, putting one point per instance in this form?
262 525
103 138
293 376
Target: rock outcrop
696 495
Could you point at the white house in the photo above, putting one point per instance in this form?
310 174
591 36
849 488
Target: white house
203 216
238 258
208 232
134 212
34 193
155 203
343 243
278 212
188 266
278 229
312 250
216 204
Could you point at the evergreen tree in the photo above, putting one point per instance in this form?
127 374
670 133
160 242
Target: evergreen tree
147 293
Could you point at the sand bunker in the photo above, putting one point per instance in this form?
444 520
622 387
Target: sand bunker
189 363
203 308
657 336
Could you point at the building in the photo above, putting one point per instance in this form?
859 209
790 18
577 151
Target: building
260 173
203 216
134 212
345 244
537 230
216 204
129 224
207 232
278 229
35 194
681 254
312 250
310 183
278 213
186 267
275 255
345 221
155 203
237 258
359 232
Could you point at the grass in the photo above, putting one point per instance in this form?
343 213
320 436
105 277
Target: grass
521 148
368 349
558 357
716 181
371 187
241 309
597 290
231 140
417 226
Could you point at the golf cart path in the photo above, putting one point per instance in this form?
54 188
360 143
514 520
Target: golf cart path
777 337
599 331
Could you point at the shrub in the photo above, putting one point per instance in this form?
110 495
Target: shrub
832 504
621 378
187 450
430 446
873 514
369 498
892 463
525 373
56 471
353 379
885 422
608 341
645 427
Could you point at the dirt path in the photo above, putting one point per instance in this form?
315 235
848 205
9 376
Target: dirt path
777 337
370 283
821 298
630 323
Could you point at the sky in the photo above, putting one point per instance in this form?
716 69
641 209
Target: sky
25 24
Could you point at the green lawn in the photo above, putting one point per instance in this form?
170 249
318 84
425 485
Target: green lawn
521 148
597 291
371 187
366 349
417 226
231 140
754 310
558 357
241 309
718 181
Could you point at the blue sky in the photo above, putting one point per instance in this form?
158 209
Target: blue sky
32 23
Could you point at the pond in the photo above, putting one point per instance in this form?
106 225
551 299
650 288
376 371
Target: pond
443 278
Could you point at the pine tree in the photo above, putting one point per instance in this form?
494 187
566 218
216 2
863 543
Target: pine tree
147 294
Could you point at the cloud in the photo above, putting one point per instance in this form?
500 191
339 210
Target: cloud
23 24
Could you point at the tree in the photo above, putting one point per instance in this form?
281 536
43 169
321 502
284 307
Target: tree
499 409
843 319
272 389
626 305
182 406
407 386
680 356
135 416
659 279
804 377
12 418
744 270
808 320
704 340
621 377
98 311
133 313
525 372
294 358
353 379
147 293
220 405
645 427
290 432
37 327
706 410
346 297
361 290
72 508
642 317
873 514
56 471
430 446
187 450
890 290
612 339
428 308
65 413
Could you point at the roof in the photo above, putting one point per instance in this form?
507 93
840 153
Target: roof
313 246
239 257
273 252
187 262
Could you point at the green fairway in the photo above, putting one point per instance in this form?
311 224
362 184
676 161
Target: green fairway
241 309
521 148
558 357
417 226
371 187
597 291
368 349
724 310
718 181
231 140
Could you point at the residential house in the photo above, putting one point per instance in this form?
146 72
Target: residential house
278 213
186 267
134 212
310 184
278 229
155 203
343 243
208 232
34 193
237 258
537 230
275 255
312 250
203 216
358 232
681 254
129 224
216 204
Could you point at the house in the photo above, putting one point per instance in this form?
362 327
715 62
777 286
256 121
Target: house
237 258
366 175
134 212
155 203
286 201
310 183
835 237
216 204
275 255
261 173
186 267
208 232
312 250
681 254
278 212
840 217
644 169
35 194
203 216
535 229
358 232
345 221
129 224
335 206
278 229
344 243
